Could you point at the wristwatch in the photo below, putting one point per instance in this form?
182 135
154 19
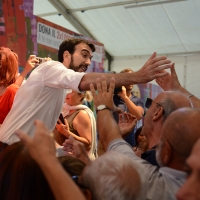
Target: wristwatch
101 107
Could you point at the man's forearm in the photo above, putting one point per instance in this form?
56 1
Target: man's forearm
107 127
152 69
120 79
138 111
195 100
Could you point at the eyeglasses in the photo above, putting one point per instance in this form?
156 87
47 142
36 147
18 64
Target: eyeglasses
149 102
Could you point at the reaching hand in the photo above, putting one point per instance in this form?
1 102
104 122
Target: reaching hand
153 68
31 63
76 149
122 94
127 123
42 145
105 95
170 81
63 128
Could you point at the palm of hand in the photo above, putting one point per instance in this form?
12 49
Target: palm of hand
63 128
165 82
126 127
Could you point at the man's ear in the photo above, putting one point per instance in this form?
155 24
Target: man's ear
66 56
166 153
87 194
158 113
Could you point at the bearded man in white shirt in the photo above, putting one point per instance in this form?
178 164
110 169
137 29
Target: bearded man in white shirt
42 96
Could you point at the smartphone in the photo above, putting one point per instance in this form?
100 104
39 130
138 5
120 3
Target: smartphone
40 60
61 118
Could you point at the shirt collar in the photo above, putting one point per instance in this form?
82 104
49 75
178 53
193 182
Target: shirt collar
173 172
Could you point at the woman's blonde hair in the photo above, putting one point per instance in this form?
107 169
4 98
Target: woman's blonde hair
87 96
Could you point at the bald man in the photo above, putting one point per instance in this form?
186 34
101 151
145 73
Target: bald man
158 111
178 135
190 189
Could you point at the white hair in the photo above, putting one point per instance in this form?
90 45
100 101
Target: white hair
112 176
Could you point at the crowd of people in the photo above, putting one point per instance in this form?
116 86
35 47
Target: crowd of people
161 163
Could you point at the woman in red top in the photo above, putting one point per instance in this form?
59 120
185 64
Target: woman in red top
8 74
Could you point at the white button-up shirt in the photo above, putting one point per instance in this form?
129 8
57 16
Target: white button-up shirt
41 97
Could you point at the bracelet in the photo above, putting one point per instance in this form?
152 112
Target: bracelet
191 95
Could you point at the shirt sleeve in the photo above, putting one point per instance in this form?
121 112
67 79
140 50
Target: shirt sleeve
140 102
121 146
56 75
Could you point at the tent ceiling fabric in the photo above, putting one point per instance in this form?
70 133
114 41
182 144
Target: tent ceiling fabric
168 28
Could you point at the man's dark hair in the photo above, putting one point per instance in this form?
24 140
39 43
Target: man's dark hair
70 44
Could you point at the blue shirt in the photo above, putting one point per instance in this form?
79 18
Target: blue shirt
119 102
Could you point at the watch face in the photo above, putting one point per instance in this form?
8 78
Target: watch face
100 107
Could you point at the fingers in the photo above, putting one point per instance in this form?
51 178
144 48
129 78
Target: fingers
161 75
120 118
57 126
152 57
66 123
71 139
131 117
31 57
104 84
161 64
126 117
173 72
67 145
160 71
60 121
93 91
67 142
158 81
99 89
112 86
157 61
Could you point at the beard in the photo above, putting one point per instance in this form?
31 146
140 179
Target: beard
76 68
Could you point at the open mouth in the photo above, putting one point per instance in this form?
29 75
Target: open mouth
83 68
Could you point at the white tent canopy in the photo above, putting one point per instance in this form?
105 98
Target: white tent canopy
133 30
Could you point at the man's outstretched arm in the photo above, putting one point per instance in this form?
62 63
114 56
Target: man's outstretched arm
152 69
107 127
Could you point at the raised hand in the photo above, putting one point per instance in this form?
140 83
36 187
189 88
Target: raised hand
42 145
170 81
153 68
104 95
63 128
30 63
122 94
76 149
127 123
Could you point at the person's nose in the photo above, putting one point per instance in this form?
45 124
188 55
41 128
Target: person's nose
88 61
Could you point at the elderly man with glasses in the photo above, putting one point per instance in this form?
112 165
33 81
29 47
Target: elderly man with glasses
158 111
